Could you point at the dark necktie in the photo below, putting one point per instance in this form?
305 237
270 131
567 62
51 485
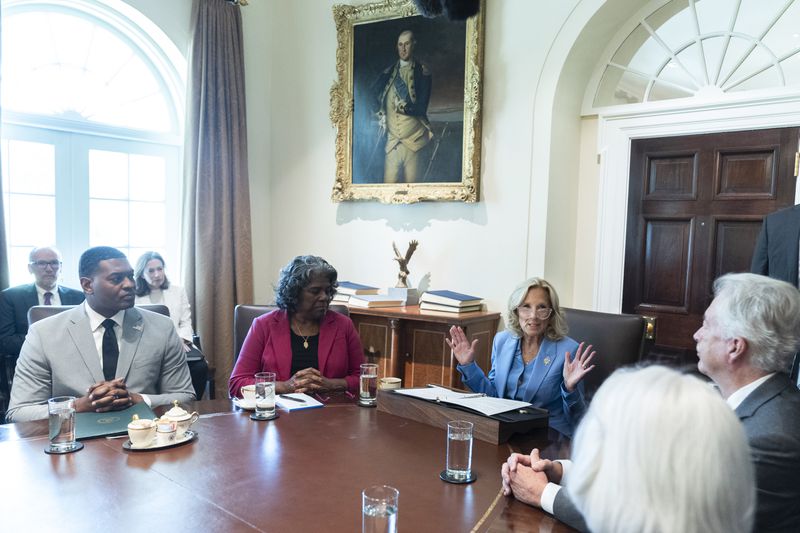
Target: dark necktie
47 298
110 350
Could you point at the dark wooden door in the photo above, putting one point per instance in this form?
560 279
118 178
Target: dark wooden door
694 212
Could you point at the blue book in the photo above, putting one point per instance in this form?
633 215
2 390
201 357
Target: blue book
348 287
451 298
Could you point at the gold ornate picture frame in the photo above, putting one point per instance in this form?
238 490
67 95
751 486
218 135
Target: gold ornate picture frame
407 104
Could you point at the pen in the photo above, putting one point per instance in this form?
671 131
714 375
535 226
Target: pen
471 396
292 398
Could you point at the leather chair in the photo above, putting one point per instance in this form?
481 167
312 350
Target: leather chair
203 382
243 316
619 340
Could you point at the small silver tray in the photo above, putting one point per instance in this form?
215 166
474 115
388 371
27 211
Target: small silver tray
189 436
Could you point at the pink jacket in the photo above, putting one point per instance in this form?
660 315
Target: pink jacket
268 348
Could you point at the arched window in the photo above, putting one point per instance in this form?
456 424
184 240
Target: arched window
92 98
704 48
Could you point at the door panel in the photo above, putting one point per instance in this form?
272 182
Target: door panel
694 213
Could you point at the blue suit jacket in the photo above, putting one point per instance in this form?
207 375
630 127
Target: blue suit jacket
545 388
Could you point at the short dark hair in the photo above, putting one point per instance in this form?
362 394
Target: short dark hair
296 276
90 259
142 287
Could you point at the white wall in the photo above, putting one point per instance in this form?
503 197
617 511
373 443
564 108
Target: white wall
486 248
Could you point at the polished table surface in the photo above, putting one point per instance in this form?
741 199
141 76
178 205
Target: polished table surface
302 472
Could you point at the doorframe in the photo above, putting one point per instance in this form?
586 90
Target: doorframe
617 127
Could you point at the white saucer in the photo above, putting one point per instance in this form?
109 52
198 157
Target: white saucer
247 405
187 437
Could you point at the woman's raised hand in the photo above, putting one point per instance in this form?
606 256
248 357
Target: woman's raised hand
463 350
576 368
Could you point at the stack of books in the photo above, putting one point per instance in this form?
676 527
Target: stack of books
347 289
449 302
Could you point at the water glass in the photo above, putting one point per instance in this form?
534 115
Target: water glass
379 509
62 424
368 385
459 450
265 394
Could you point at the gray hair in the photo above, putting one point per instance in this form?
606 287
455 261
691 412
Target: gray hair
296 276
661 451
556 325
765 312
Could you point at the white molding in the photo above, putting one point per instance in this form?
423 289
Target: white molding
615 132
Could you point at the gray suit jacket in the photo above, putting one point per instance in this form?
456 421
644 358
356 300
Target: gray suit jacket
60 358
771 419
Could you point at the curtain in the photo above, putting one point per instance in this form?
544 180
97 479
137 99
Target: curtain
3 247
217 249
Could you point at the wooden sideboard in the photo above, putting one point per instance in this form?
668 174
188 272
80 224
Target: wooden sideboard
410 344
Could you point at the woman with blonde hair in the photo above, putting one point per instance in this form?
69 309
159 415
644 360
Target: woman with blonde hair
532 359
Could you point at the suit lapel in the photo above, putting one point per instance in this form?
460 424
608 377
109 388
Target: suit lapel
281 344
763 393
543 365
81 334
31 297
504 365
132 328
327 332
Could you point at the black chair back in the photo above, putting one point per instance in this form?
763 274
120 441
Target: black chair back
619 340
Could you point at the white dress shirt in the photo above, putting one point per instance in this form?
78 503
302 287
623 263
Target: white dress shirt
55 299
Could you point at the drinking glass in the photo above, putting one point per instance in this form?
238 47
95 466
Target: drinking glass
265 394
62 424
368 385
379 509
459 451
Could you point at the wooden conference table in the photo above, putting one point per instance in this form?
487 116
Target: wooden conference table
302 472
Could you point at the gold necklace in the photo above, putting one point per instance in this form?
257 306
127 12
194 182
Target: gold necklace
304 337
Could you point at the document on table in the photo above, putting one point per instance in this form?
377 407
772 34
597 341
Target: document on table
296 400
486 405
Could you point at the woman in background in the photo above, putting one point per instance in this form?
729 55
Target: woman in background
153 287
309 347
531 359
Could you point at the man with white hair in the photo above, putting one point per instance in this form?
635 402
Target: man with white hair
749 334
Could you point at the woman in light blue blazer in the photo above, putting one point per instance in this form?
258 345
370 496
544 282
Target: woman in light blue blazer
532 359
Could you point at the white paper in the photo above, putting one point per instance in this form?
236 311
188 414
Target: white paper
307 401
486 405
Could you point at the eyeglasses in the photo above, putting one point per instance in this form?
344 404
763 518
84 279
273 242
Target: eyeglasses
45 264
542 313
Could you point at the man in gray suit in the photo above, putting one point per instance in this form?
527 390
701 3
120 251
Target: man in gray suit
750 332
105 352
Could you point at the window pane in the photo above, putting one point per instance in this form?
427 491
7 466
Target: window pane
148 178
32 220
18 265
147 224
31 167
108 223
108 174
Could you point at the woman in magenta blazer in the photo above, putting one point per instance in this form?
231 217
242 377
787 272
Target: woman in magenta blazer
309 347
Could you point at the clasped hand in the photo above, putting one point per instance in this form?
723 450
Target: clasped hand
526 476
106 396
306 380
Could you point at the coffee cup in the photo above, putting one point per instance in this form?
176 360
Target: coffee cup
389 383
249 393
141 432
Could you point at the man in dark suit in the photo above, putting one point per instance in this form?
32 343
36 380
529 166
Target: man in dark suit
750 332
45 265
777 253
106 353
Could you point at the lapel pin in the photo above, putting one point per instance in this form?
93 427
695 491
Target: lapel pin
547 361
138 327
